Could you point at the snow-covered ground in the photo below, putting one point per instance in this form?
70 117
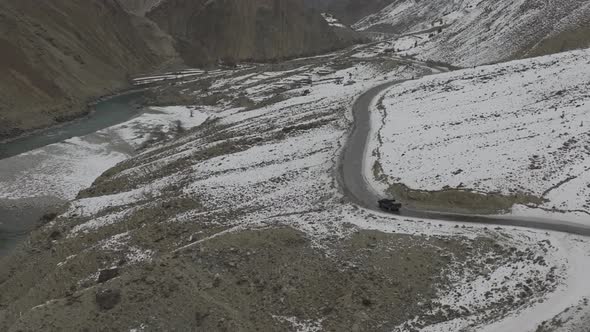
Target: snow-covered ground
297 170
332 21
61 170
304 157
429 15
166 76
568 257
516 128
474 32
393 47
272 162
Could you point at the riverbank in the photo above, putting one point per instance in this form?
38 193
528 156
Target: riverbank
38 180
104 112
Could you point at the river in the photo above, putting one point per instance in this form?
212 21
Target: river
19 215
106 113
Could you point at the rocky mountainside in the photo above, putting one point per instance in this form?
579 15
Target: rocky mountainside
139 7
473 32
238 224
207 31
349 11
56 54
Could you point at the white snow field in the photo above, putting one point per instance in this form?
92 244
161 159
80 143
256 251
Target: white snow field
332 21
518 127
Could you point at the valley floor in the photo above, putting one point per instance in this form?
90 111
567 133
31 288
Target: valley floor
32 184
239 223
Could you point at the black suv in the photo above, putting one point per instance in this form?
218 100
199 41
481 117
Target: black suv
389 205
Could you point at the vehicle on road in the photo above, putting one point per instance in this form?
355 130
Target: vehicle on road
389 205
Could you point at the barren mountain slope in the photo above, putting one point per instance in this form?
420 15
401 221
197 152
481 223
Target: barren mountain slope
349 11
139 7
56 54
250 29
473 32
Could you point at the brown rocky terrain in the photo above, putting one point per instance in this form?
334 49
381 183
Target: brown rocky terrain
57 54
244 30
349 11
139 7
247 281
567 36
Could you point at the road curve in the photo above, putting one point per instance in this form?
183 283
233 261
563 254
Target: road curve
351 176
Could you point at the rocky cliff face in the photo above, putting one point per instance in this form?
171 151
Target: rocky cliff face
244 30
57 54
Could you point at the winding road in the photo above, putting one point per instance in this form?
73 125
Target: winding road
359 191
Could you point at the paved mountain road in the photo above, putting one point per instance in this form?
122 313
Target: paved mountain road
356 187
